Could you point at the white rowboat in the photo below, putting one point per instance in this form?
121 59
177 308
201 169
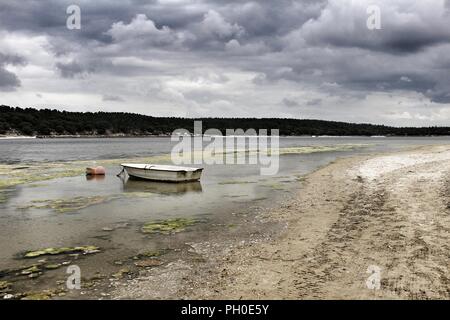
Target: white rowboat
166 173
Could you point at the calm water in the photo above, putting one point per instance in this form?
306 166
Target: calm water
32 150
29 216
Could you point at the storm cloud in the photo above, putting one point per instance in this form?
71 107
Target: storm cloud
8 80
302 59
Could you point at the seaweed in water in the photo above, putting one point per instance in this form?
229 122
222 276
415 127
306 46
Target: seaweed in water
63 250
168 226
4 285
67 205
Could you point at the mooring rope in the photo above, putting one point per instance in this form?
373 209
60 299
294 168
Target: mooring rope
120 173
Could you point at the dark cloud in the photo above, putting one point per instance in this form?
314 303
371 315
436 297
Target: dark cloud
11 59
8 80
70 70
405 27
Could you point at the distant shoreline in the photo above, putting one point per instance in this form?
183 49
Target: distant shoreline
64 124
13 137
18 137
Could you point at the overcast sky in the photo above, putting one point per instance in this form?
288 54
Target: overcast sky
269 58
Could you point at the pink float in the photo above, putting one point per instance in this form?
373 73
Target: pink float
95 171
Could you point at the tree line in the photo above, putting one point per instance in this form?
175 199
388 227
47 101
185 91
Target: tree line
52 122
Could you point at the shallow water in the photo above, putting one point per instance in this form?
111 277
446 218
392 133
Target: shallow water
109 212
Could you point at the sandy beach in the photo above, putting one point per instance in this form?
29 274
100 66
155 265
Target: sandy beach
387 211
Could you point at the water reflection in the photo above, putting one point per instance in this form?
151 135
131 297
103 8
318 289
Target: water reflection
135 185
90 177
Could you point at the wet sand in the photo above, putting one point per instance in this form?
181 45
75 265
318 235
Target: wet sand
391 211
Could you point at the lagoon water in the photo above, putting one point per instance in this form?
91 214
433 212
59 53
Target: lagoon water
55 210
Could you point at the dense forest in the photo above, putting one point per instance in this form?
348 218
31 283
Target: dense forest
46 122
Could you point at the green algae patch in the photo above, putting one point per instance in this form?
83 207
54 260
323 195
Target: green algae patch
260 199
68 204
235 182
13 175
121 273
149 263
136 194
274 186
151 254
42 295
52 266
4 285
236 196
5 194
168 226
315 149
63 250
300 177
30 270
3 197
37 296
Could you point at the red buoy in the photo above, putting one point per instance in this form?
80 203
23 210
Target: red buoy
95 171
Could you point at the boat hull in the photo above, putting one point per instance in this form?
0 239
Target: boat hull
166 176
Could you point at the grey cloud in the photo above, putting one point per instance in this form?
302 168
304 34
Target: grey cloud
290 102
141 29
205 96
209 20
11 59
114 98
405 28
8 80
84 66
314 102
69 70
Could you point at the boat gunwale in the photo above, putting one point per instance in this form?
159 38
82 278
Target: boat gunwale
160 169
